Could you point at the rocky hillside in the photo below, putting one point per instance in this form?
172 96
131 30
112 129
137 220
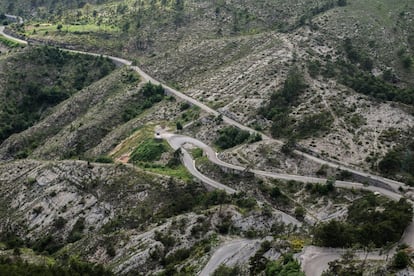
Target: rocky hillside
85 179
130 220
233 56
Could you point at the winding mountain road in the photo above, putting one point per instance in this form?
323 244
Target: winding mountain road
230 253
312 267
314 260
178 141
394 185
15 39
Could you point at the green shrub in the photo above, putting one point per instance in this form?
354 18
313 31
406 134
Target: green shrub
77 230
104 159
401 260
231 136
35 82
148 151
366 224
223 270
148 95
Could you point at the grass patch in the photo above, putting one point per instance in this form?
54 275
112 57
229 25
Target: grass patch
177 172
10 43
148 151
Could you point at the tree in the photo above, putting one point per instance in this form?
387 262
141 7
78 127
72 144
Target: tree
342 3
179 126
401 260
300 213
391 163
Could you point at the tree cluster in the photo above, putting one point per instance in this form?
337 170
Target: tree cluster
39 79
368 222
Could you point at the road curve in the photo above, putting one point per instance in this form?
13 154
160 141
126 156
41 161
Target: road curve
242 250
177 141
393 184
11 37
314 260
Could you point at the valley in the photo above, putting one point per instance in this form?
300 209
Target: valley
250 137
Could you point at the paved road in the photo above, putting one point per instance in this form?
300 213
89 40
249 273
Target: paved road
11 37
314 260
175 140
15 18
394 185
230 253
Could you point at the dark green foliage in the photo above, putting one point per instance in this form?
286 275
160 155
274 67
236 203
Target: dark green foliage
148 151
314 68
300 213
313 11
256 137
77 230
399 161
342 3
184 106
391 163
401 260
244 201
231 136
47 244
321 189
110 250
289 146
59 223
175 161
179 199
223 270
407 61
377 88
258 261
288 266
148 95
285 97
344 175
281 102
179 126
276 195
18 267
313 125
367 84
177 257
167 240
367 224
104 159
357 56
11 239
39 79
